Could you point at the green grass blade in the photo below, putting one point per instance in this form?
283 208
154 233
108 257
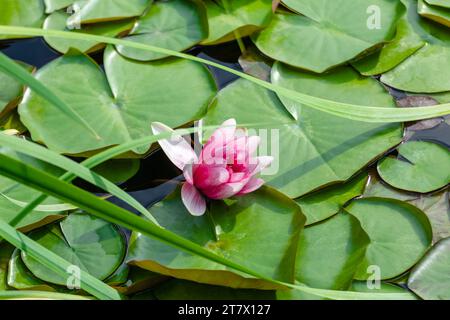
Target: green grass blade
14 70
54 262
39 152
41 208
38 295
102 209
349 111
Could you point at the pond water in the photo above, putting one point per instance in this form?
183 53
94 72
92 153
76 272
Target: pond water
157 176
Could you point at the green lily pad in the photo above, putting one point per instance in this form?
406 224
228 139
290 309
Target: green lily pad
94 11
119 277
435 206
329 252
95 246
439 3
6 251
329 33
186 290
309 155
256 64
176 25
19 277
438 14
139 280
427 69
14 190
361 286
57 21
10 91
327 202
23 13
430 278
53 5
12 121
119 105
399 233
259 231
229 20
421 167
405 43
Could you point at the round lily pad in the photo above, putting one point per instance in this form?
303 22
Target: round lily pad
439 3
328 33
120 105
10 90
259 231
430 278
324 203
421 167
229 20
12 189
439 14
53 5
399 234
23 13
314 150
94 11
58 21
19 277
176 25
329 252
93 245
405 43
427 69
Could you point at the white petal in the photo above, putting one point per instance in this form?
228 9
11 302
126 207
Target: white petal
193 200
177 149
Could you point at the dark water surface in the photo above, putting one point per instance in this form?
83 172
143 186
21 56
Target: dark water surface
157 176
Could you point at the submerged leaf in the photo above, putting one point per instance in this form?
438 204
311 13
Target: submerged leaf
430 278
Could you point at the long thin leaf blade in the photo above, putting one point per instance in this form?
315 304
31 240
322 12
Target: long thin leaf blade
38 295
349 111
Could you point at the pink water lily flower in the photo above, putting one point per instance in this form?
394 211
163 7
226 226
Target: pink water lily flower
225 167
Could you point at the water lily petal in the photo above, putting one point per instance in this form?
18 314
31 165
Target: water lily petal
237 176
177 149
193 200
261 164
206 176
214 150
225 133
226 190
252 185
188 172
